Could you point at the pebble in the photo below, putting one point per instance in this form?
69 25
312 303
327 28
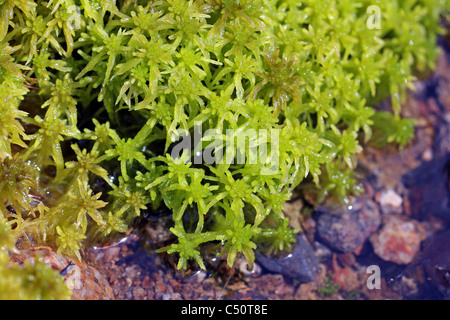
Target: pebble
348 229
427 155
300 264
390 201
398 240
347 279
244 269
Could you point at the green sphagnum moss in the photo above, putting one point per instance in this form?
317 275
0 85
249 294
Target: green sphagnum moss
93 93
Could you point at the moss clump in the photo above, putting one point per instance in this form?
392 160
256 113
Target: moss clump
95 96
30 281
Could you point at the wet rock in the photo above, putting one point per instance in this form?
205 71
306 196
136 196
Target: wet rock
428 188
300 264
348 229
398 240
435 260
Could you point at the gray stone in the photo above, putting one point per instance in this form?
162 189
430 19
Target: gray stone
300 264
348 229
